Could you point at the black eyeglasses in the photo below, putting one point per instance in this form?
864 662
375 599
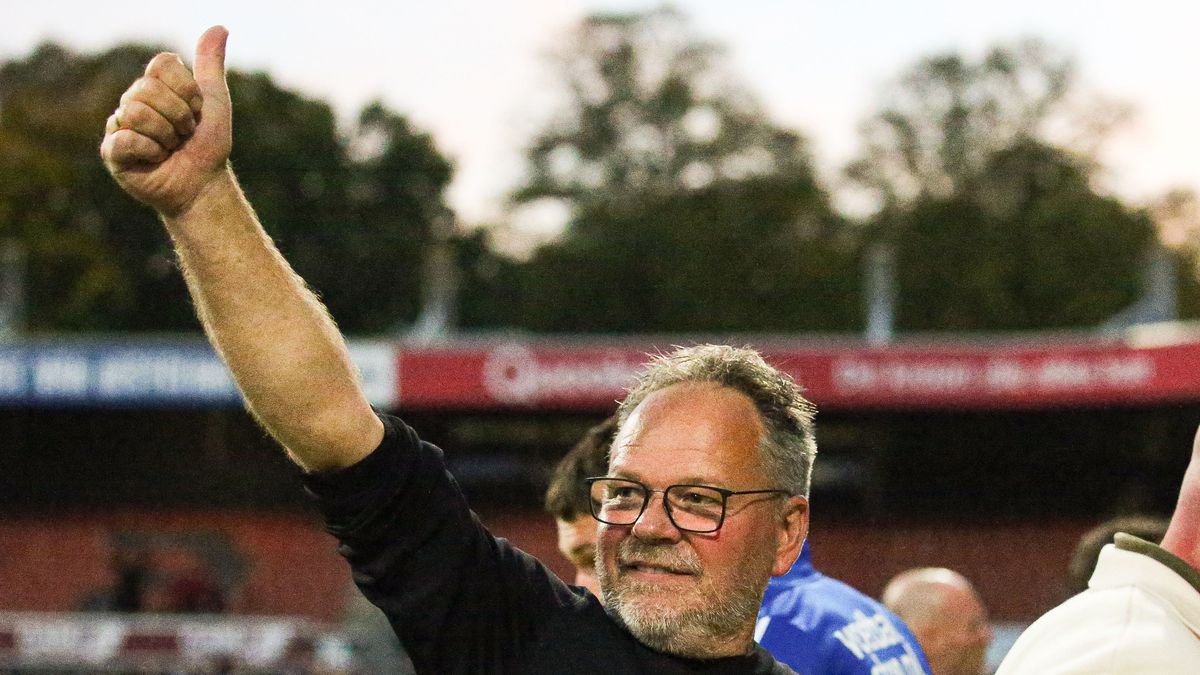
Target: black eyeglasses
691 508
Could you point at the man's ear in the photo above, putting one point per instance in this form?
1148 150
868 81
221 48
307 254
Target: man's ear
793 529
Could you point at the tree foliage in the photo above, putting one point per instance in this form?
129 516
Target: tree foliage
1029 245
98 261
651 109
941 123
996 226
56 199
689 209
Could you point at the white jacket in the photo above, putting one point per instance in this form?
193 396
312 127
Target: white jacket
1140 614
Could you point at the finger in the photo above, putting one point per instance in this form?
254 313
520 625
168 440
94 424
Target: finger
210 62
161 98
143 119
124 149
169 68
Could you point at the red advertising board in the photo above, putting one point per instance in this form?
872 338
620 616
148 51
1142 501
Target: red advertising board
590 376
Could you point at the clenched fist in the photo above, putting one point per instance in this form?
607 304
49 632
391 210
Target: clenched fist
169 140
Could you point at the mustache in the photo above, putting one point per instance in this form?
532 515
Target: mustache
633 551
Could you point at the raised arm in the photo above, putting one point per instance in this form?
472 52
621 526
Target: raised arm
168 146
1183 534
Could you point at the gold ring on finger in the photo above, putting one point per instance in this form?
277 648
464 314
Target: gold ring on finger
117 118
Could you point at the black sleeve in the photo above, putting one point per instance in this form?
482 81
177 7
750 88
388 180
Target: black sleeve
460 599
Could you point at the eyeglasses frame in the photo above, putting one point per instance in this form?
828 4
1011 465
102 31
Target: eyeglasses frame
649 492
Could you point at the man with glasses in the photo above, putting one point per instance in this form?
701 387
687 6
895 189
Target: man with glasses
716 445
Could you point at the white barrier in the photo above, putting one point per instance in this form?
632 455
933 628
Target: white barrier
110 642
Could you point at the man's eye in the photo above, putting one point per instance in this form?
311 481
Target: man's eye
699 498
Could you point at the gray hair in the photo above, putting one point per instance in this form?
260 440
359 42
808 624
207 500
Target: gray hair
788 447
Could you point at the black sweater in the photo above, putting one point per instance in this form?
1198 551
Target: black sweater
461 600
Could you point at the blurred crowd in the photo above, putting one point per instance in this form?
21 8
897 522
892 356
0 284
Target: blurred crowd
149 578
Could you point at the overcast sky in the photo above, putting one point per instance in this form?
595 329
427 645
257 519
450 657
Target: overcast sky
470 71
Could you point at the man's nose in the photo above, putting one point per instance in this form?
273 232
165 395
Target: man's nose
654 523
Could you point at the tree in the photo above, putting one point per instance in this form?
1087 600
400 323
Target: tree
689 209
944 119
652 109
56 199
354 216
99 261
1029 245
996 225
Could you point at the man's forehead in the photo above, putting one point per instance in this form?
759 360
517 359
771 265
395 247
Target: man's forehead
702 429
694 401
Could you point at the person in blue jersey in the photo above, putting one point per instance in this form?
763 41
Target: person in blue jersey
820 626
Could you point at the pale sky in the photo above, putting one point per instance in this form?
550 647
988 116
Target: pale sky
471 71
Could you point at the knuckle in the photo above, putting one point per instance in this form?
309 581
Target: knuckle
139 90
162 61
136 113
143 149
188 89
106 145
119 150
126 147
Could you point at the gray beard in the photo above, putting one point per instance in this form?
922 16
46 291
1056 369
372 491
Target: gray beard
699 630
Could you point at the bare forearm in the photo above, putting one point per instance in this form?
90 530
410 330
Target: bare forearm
168 145
283 349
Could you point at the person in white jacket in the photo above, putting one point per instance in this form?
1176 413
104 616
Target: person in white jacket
1141 611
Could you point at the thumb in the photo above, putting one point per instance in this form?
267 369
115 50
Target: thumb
210 62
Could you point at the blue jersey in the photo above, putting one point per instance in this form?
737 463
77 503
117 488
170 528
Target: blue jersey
821 626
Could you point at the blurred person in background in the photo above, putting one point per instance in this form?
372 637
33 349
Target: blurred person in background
568 502
707 492
131 575
188 582
946 614
1087 551
133 571
1140 612
817 624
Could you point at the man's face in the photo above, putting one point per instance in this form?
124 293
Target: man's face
960 636
577 543
973 632
682 592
